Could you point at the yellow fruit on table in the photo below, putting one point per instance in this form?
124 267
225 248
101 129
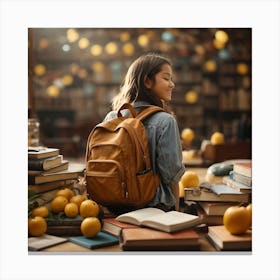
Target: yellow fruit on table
37 226
58 203
78 199
89 208
237 219
71 210
90 226
217 138
41 211
190 179
187 135
68 193
249 208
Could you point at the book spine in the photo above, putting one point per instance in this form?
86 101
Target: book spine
35 164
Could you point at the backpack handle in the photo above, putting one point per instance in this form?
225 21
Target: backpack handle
149 111
129 107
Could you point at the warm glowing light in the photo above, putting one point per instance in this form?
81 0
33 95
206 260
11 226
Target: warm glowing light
210 66
96 50
67 80
98 67
82 73
221 36
242 68
40 69
74 67
53 91
200 50
43 43
111 48
72 35
191 97
143 40
125 36
83 43
218 44
128 49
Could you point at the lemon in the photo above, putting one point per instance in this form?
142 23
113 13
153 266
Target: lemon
58 203
71 210
217 138
89 208
189 180
187 134
41 211
37 226
90 226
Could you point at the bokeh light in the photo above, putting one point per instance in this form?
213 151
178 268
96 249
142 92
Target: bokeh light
39 69
53 91
111 48
191 97
96 50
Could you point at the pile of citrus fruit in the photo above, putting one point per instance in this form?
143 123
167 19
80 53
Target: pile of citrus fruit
71 205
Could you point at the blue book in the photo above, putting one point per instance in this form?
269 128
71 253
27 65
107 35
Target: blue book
102 239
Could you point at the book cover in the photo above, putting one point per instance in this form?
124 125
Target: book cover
102 239
237 185
209 220
44 163
42 152
218 193
241 178
150 239
64 165
224 240
170 221
216 208
73 172
44 241
243 168
45 187
114 227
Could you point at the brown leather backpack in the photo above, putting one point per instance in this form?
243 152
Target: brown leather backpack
118 167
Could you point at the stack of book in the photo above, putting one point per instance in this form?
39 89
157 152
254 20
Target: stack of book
240 178
48 171
212 200
152 229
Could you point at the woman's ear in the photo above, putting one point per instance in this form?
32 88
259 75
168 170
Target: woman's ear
148 83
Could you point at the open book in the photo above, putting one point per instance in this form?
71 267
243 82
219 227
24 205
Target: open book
158 219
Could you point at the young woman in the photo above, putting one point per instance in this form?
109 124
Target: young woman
149 82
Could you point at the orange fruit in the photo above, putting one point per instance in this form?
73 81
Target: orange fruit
71 210
58 203
89 208
78 199
68 193
187 134
41 211
181 190
90 226
189 179
249 209
217 138
236 219
37 226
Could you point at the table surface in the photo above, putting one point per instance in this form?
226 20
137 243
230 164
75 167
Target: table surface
71 247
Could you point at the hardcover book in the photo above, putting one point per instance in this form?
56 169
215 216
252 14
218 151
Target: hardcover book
237 185
215 192
102 239
44 163
243 168
138 239
42 152
222 239
216 208
45 187
114 227
158 219
44 241
241 178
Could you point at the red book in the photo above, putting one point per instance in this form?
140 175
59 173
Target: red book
114 227
138 239
243 168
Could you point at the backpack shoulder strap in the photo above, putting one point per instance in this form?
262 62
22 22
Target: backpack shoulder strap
148 112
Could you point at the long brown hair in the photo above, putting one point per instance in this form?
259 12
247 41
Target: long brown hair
133 87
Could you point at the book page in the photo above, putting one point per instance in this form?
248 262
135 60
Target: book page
137 216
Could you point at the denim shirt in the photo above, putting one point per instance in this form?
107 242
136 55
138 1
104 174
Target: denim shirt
165 152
